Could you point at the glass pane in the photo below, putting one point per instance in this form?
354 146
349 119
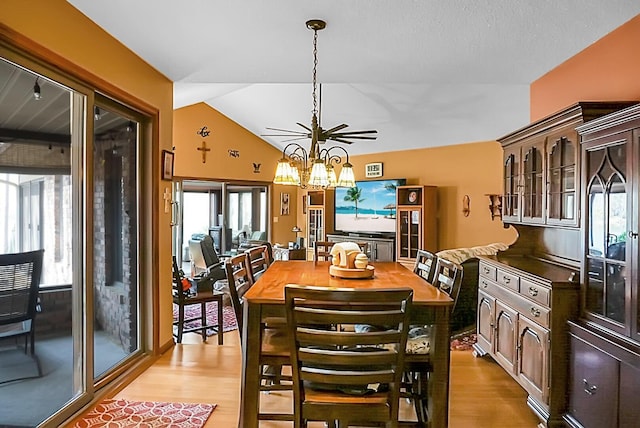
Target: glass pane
555 157
617 219
568 153
115 240
596 220
568 206
595 286
615 292
568 178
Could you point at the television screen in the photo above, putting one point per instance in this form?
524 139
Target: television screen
368 207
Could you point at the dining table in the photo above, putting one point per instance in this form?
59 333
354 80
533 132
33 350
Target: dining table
265 300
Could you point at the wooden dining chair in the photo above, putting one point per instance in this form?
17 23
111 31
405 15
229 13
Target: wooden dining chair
341 376
274 347
447 276
322 250
259 261
425 265
184 295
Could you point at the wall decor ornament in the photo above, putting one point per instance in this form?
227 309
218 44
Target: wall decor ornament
372 170
234 153
204 149
256 168
284 204
167 165
203 132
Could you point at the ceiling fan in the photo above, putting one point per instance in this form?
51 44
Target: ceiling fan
316 132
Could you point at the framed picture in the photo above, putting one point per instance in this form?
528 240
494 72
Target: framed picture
413 197
372 170
167 165
284 204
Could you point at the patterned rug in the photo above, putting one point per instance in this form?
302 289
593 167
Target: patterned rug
463 343
228 315
113 413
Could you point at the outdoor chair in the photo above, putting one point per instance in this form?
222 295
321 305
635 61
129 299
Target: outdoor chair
341 376
19 285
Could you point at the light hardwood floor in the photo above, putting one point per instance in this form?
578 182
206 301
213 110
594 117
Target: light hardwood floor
482 395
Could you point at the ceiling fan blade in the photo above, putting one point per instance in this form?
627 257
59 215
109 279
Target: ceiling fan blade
340 140
358 132
294 139
357 137
336 128
285 135
304 126
287 130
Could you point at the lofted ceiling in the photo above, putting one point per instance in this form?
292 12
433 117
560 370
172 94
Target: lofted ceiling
424 73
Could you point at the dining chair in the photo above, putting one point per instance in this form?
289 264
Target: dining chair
322 250
259 261
185 295
207 266
19 286
425 264
341 376
447 276
274 348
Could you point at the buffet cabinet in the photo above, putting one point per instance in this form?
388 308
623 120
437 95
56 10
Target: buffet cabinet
605 340
378 249
522 313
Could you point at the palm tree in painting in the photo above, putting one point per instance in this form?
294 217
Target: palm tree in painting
354 194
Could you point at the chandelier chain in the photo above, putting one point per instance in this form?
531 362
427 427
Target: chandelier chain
315 65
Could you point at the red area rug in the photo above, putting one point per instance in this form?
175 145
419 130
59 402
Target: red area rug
228 315
112 413
463 343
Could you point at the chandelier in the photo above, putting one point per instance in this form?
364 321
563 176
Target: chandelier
315 168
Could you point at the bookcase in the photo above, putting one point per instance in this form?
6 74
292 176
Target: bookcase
416 222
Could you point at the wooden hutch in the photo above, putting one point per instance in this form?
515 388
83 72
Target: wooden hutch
528 293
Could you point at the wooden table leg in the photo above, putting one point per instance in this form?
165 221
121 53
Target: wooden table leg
438 402
250 390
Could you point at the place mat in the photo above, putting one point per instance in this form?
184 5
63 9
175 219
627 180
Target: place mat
119 413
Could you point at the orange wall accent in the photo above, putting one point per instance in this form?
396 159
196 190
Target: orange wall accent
466 169
605 71
62 29
225 136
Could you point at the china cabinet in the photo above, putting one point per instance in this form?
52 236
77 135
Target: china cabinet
605 340
416 223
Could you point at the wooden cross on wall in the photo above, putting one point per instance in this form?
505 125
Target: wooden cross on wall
204 151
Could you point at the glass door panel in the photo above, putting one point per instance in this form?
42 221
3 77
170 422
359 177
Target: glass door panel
116 296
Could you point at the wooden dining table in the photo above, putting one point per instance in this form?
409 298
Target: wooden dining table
265 300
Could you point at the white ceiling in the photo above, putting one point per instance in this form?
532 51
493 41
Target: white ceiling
422 72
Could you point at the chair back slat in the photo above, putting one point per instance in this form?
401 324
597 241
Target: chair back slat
259 261
240 281
322 250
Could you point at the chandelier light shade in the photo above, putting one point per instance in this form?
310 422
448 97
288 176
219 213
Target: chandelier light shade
316 168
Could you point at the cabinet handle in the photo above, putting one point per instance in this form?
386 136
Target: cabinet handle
632 234
506 279
486 271
589 389
533 291
535 312
484 284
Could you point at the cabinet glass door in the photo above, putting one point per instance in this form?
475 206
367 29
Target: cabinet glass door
561 176
607 225
511 174
409 233
316 226
532 200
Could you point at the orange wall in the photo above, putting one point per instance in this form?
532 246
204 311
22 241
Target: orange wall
607 70
467 169
226 135
61 28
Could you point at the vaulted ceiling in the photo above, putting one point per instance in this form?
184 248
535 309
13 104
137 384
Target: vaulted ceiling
423 73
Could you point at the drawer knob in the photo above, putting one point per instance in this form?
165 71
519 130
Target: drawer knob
589 389
484 284
533 291
486 271
535 312
506 279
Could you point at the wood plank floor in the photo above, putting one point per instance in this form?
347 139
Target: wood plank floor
482 395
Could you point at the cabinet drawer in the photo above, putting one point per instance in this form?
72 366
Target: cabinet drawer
536 292
527 308
488 271
508 280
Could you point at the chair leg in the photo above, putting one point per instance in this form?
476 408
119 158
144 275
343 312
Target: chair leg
180 323
419 392
220 321
203 321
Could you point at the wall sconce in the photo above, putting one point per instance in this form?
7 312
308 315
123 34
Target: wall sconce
466 205
495 205
37 95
